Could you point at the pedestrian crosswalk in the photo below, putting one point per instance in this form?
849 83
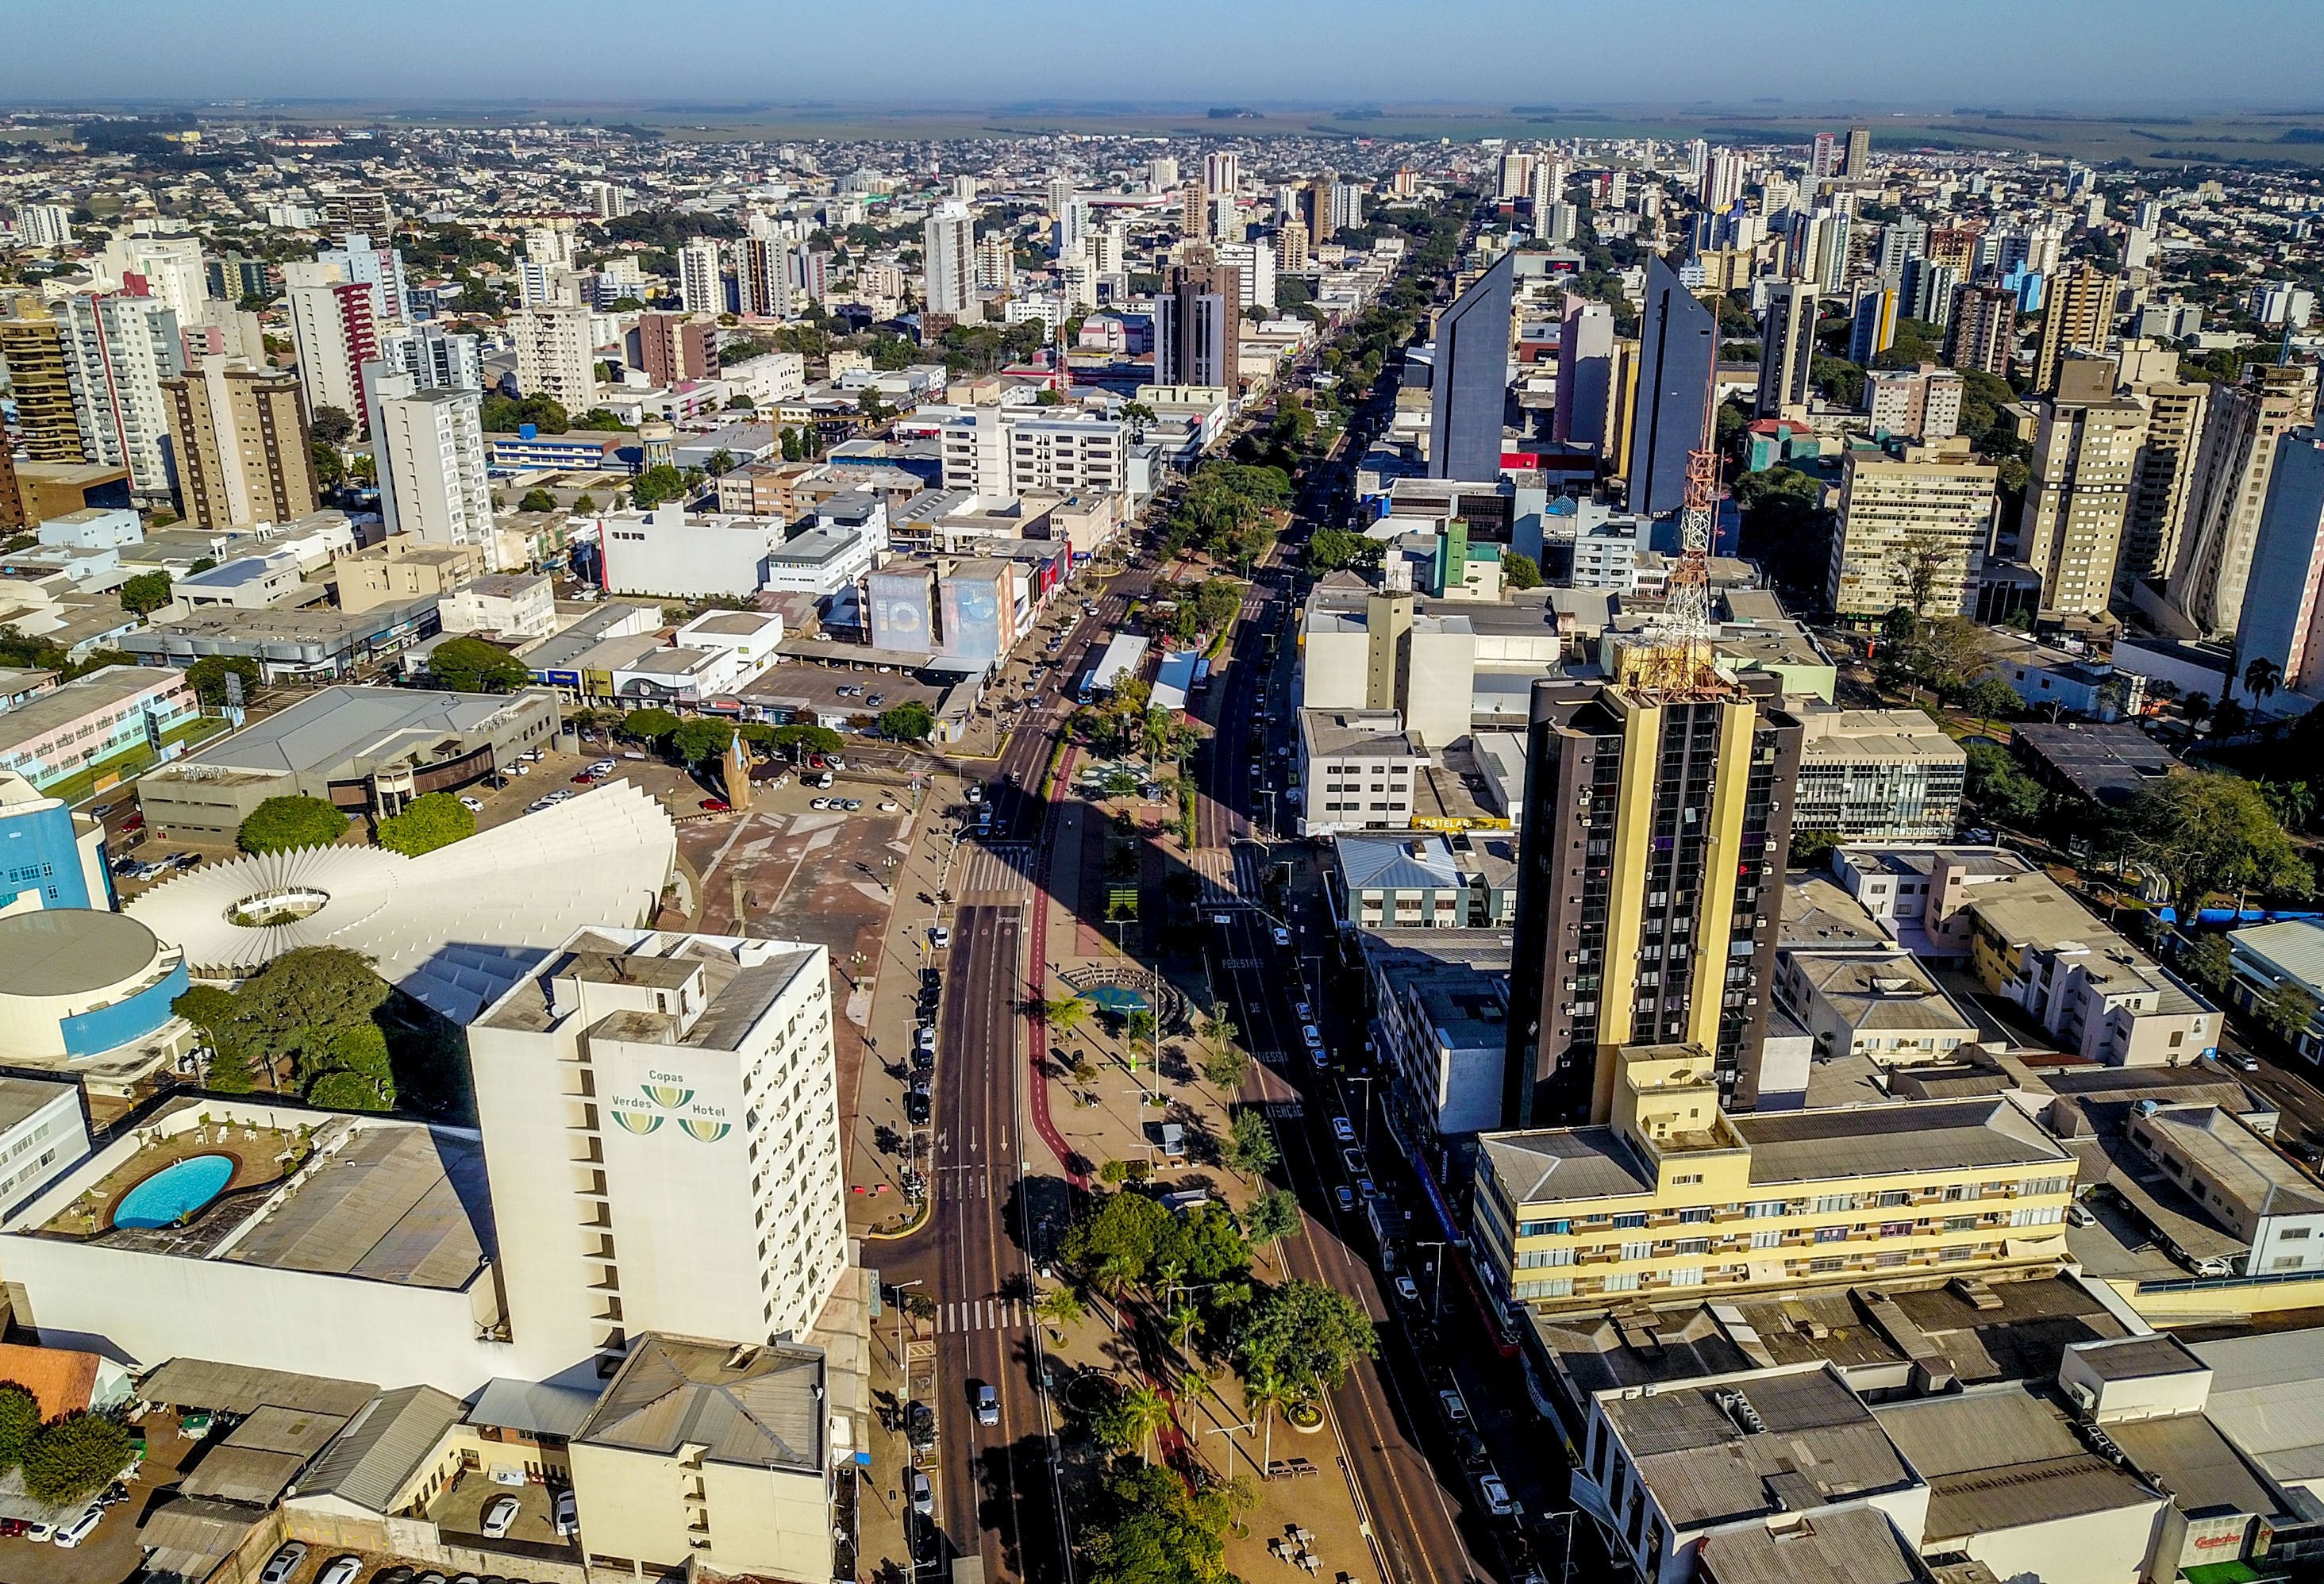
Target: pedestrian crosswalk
997 873
1237 877
988 1314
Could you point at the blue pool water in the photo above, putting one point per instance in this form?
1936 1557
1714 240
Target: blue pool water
175 1192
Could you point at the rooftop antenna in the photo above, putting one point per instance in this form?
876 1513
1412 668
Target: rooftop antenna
1676 655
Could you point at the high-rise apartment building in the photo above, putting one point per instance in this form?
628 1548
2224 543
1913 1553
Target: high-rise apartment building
429 446
554 355
1222 170
1928 291
1291 246
40 377
1678 350
1919 404
1469 383
1161 173
1786 349
2163 485
1585 369
436 358
607 200
1195 212
2282 617
1911 527
171 268
1872 324
1319 210
660 1123
2232 469
1548 191
1650 884
761 280
1198 325
379 268
1347 206
2077 316
1722 180
1858 165
810 273
44 226
1823 156
337 335
2085 463
996 262
673 348
948 256
238 438
118 349
1984 331
1254 265
701 287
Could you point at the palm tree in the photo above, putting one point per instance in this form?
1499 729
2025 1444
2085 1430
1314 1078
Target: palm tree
1185 1318
1065 1014
1060 1306
1113 1275
2262 677
1145 1413
1266 1392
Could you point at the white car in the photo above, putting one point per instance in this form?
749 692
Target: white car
80 1528
565 1514
340 1571
818 802
1343 1131
1497 1496
939 936
473 805
282 1563
1407 1289
1312 1036
1282 935
500 1517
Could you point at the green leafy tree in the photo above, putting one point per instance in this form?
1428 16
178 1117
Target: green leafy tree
145 594
1118 1235
2211 963
75 1457
1148 1527
2211 835
20 1423
653 726
1306 1332
1519 572
280 824
426 824
1060 1306
1273 1215
803 739
1995 785
212 1010
330 467
471 665
331 425
655 485
585 502
908 722
702 741
2286 1012
1250 1143
207 676
1813 850
1990 700
1064 1015
537 499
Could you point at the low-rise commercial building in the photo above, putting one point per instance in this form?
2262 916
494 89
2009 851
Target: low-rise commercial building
1880 1006
91 718
404 568
1425 880
1671 1191
362 749
1357 771
1877 775
1440 1016
511 605
2271 958
308 645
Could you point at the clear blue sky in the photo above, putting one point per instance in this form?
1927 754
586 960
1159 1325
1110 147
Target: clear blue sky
2138 55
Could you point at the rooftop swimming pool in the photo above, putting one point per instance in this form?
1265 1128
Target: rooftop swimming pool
175 1192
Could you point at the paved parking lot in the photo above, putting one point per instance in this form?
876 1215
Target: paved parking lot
458 1508
111 1554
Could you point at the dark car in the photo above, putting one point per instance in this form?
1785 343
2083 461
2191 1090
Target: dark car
916 1109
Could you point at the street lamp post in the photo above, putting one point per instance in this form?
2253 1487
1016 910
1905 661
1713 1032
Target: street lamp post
901 1363
1365 1079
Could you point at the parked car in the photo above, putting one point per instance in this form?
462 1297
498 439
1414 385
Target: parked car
988 1404
473 805
565 1514
71 1534
2078 1215
939 936
1346 1197
1303 1011
1456 1411
1407 1289
1352 1160
924 1497
1495 1497
1471 1449
186 861
500 1515
715 806
340 1571
1312 1037
1368 1188
1343 1131
975 793
1282 935
282 1563
584 778
818 804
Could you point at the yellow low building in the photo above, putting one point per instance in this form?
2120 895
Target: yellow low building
1674 1193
